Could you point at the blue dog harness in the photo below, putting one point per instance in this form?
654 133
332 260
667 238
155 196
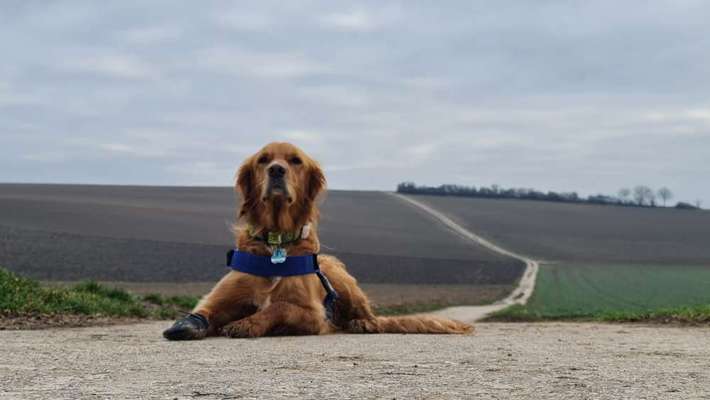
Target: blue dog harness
264 266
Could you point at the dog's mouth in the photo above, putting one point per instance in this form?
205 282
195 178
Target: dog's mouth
277 190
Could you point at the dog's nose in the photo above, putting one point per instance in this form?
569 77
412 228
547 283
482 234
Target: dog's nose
277 171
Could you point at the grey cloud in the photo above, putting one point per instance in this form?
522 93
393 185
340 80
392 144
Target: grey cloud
585 96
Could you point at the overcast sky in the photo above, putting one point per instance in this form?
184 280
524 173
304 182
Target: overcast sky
587 96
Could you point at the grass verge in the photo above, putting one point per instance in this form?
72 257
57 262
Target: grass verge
27 300
618 293
21 296
699 314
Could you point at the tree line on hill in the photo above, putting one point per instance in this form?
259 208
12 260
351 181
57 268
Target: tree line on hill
639 196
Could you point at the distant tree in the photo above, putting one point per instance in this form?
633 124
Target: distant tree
640 195
407 187
698 203
624 194
571 197
665 194
554 196
643 195
685 206
601 199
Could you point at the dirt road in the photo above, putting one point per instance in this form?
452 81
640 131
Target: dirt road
519 295
559 361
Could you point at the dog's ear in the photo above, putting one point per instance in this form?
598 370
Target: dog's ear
246 186
316 182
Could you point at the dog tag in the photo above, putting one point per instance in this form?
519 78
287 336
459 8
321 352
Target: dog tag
278 256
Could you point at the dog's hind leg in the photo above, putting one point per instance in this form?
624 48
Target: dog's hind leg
280 318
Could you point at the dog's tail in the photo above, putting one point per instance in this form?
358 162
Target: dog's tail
409 324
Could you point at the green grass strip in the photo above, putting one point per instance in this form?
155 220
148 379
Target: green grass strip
616 292
23 296
699 314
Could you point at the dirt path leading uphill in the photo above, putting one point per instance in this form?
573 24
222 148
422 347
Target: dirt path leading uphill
519 295
558 361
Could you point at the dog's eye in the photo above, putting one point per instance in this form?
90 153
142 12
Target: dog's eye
296 160
263 159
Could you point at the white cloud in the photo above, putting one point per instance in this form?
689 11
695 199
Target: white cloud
423 150
114 66
159 143
428 83
379 164
302 136
682 121
202 172
132 150
337 95
357 21
46 157
10 95
150 35
243 20
699 113
260 65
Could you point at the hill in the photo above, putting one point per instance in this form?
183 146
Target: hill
600 262
180 234
582 232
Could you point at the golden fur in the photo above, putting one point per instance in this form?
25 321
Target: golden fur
243 305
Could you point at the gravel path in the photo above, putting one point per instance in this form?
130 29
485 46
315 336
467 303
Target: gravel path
519 295
553 360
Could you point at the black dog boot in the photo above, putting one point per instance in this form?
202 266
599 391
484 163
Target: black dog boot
190 327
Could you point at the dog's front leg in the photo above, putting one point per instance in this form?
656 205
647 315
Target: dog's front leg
231 299
280 317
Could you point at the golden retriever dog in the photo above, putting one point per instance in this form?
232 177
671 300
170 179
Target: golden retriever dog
279 187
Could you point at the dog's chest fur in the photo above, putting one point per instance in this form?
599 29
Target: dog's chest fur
291 289
263 297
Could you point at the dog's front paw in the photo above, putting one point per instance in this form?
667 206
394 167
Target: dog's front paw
241 329
191 327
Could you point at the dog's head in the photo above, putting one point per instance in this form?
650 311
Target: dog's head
278 186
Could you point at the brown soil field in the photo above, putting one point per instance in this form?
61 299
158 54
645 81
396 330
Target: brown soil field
581 232
179 234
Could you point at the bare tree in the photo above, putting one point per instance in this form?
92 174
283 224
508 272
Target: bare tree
665 194
698 203
624 194
639 195
644 195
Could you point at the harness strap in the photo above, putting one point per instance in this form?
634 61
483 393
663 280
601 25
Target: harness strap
293 266
263 266
331 295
